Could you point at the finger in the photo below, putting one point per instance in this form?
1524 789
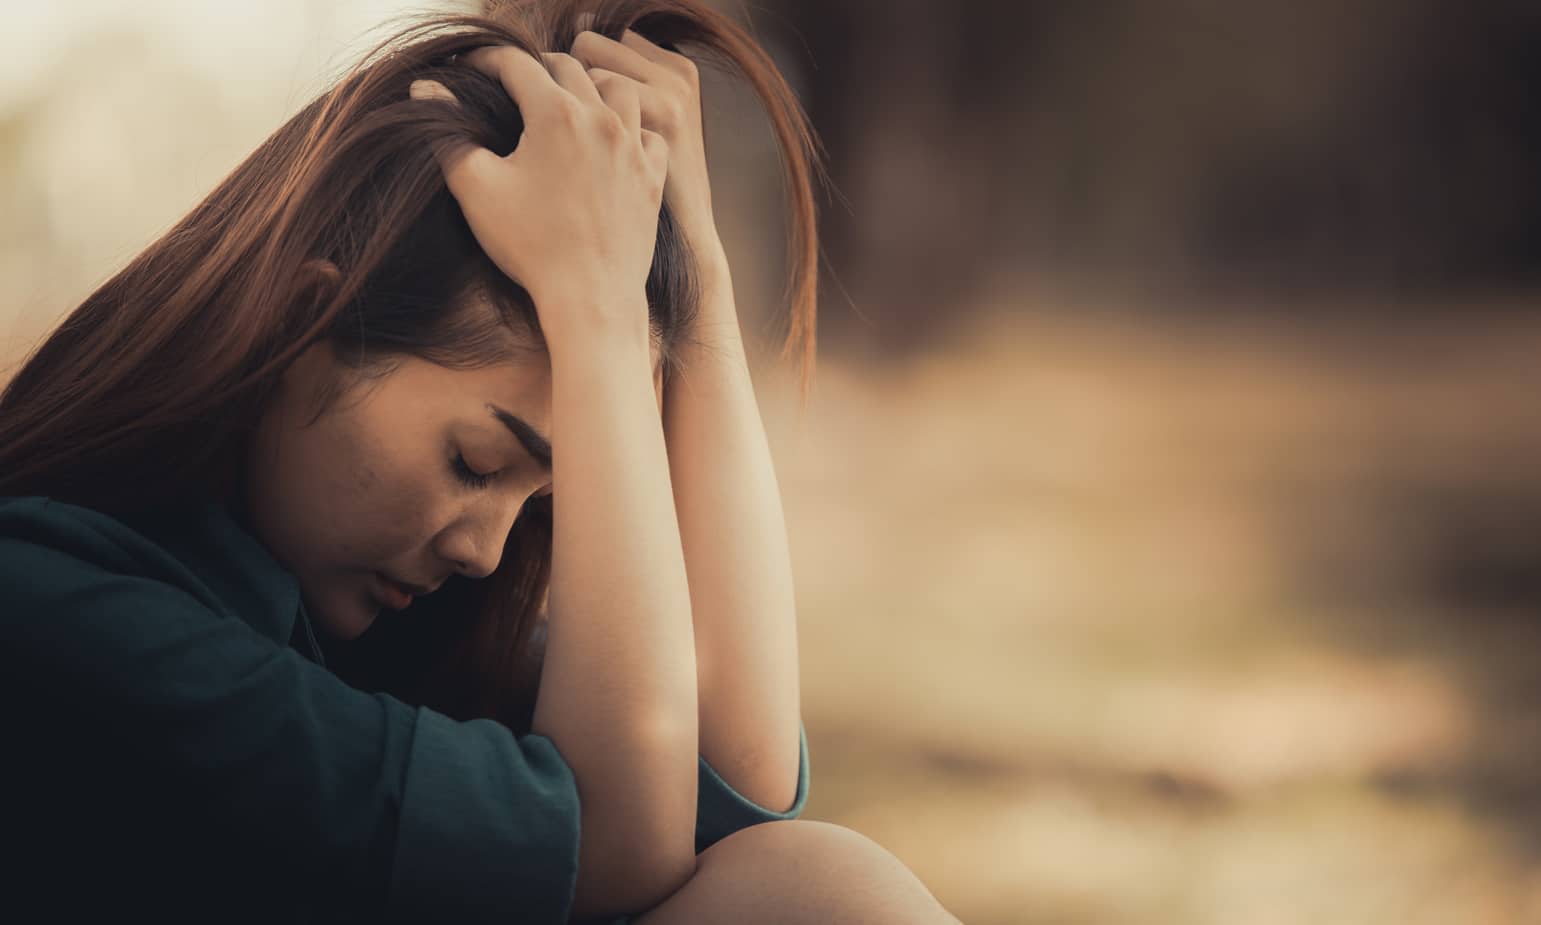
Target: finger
523 76
571 76
657 151
430 90
621 94
634 41
657 112
463 163
595 50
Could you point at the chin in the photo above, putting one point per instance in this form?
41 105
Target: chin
343 619
351 631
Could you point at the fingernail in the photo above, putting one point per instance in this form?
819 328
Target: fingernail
429 89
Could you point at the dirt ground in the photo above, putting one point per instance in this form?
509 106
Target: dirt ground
1210 620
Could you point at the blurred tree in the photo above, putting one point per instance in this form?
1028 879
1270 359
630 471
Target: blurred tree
1387 145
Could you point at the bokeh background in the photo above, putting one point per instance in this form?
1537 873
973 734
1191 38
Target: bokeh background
1166 512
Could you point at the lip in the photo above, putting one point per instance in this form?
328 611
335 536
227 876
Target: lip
393 595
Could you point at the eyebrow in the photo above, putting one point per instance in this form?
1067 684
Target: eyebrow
533 441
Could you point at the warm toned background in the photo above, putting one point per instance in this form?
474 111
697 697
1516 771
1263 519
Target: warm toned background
1166 514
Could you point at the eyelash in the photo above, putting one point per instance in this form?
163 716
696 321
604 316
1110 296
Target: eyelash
467 475
474 479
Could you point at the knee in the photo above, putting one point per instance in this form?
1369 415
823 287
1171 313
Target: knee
818 871
796 844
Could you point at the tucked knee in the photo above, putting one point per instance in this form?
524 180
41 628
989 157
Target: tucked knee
812 870
796 843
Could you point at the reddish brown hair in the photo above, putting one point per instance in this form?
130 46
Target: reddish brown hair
339 226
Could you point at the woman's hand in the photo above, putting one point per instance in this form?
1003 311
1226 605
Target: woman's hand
668 87
572 213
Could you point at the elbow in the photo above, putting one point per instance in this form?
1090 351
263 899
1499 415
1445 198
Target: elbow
639 829
650 874
667 845
665 873
667 855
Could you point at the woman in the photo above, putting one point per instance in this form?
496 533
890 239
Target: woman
457 286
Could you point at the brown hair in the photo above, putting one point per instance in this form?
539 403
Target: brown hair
339 226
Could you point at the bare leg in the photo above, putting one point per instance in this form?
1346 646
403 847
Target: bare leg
799 871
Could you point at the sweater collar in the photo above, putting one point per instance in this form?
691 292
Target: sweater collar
214 540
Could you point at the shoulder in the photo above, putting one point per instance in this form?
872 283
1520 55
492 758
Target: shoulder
71 530
43 520
50 548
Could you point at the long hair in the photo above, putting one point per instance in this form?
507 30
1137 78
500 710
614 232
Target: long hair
340 227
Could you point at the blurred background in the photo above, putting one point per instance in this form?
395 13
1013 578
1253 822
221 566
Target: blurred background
1165 513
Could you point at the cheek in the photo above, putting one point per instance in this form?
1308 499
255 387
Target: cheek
380 512
358 500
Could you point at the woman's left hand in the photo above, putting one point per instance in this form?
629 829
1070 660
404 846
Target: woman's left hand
669 86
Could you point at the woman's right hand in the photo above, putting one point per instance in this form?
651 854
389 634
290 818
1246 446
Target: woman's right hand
572 213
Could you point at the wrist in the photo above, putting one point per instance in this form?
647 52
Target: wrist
604 373
593 322
711 262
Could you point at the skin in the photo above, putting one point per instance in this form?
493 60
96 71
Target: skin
731 524
800 872
370 487
734 539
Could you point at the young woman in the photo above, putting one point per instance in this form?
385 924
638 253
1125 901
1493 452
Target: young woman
457 342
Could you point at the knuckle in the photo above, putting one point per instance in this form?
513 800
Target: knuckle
611 128
565 112
685 68
672 113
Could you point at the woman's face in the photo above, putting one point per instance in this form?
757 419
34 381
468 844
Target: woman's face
374 489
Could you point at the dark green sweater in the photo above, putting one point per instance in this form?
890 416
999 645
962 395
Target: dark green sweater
184 754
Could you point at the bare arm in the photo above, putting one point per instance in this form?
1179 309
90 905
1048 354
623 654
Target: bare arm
734 537
731 523
617 691
617 694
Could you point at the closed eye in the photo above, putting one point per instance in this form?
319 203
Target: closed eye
468 476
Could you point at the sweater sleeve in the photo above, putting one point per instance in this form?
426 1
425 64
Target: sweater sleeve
721 810
377 805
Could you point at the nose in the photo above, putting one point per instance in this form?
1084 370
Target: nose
474 542
478 564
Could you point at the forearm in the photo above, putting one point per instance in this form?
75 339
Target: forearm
617 692
733 533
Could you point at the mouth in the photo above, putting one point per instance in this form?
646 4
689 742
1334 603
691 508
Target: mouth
394 594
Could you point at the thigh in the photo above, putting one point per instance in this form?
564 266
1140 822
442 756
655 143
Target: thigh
798 871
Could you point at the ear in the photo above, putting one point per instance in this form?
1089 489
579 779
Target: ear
315 282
